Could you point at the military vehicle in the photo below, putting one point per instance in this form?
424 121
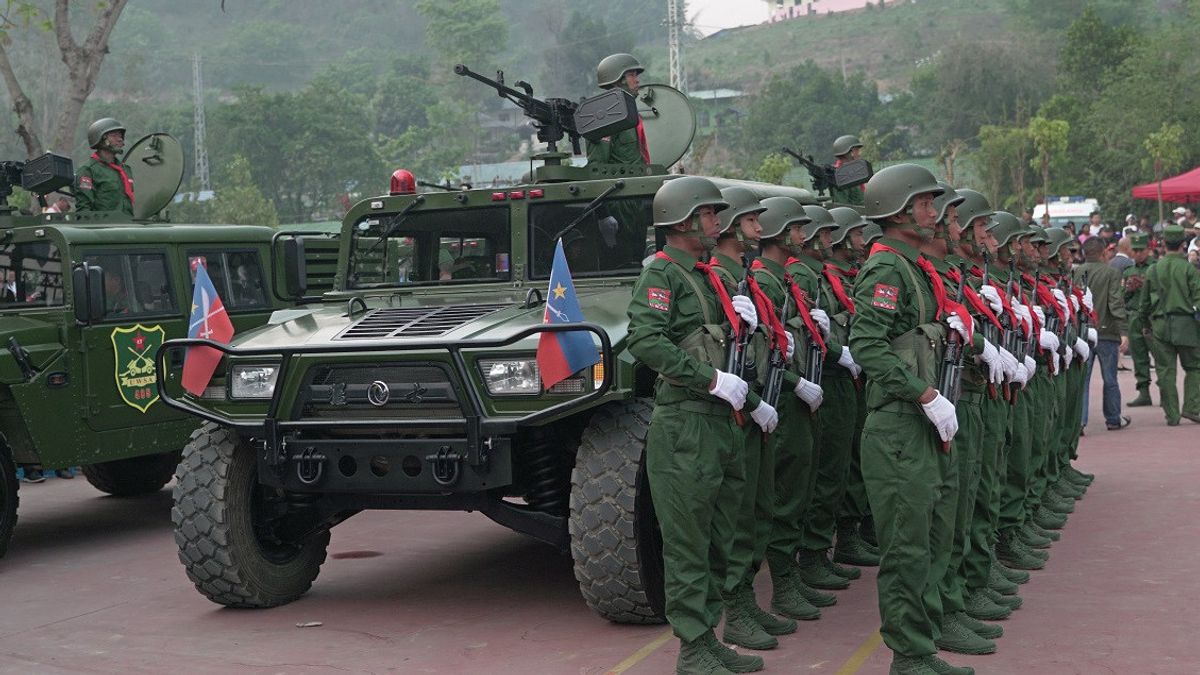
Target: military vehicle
413 384
87 299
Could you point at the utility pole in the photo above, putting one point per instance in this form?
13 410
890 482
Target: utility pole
201 169
675 22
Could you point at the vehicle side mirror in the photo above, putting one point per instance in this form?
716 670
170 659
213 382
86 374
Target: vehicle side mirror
87 285
295 271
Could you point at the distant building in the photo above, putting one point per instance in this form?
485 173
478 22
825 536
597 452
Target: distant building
782 10
716 109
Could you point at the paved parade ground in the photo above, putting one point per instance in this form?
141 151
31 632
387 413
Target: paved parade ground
92 585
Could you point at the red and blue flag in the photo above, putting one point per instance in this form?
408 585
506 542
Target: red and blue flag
209 321
561 355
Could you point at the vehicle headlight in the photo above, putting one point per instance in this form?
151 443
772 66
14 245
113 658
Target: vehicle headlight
252 381
511 376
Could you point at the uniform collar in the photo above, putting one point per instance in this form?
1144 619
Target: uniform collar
731 265
771 265
904 248
680 256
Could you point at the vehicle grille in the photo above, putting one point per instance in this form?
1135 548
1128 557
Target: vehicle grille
391 322
414 391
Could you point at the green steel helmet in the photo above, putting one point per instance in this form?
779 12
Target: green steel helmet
845 144
1039 234
1057 237
847 219
944 201
741 202
99 128
612 68
1007 228
973 205
871 232
678 199
892 189
818 219
780 212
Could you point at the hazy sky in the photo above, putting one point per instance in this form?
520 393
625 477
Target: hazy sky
713 15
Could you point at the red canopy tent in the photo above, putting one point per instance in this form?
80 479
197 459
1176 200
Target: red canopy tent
1183 189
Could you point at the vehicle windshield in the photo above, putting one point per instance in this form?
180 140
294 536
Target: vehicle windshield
30 275
614 239
431 247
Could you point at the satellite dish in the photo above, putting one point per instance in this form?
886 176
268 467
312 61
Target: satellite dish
156 162
669 122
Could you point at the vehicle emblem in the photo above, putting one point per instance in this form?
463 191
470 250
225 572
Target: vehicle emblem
337 395
416 395
378 393
134 348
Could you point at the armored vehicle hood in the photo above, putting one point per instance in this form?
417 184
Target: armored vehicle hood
40 340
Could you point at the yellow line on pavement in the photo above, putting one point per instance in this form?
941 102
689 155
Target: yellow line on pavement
860 655
640 654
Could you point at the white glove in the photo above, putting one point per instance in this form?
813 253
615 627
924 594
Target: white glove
955 322
766 417
791 348
1093 337
1022 312
1074 302
990 294
1062 300
1030 369
847 361
822 320
745 308
991 358
810 393
1048 340
940 411
1087 299
1065 360
1009 363
1081 348
731 389
1041 314
1022 374
1057 362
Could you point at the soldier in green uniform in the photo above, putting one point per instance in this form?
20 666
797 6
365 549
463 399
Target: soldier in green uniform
845 149
103 183
909 427
693 448
746 624
621 71
1139 346
1170 304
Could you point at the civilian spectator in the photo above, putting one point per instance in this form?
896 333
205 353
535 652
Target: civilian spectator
1124 255
1093 224
1108 301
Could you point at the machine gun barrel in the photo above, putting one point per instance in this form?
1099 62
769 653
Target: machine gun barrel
553 117
822 178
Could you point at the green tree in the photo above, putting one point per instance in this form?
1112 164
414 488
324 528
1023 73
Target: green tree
1000 161
773 168
1164 154
239 201
464 31
1092 51
1049 139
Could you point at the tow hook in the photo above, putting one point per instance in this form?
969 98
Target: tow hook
446 466
310 466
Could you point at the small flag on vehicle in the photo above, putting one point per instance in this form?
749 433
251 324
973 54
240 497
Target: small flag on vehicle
209 321
560 355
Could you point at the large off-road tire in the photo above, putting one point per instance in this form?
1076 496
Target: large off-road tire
133 476
219 528
8 496
615 540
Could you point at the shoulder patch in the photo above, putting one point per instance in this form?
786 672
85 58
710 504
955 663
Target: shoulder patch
85 182
659 298
885 296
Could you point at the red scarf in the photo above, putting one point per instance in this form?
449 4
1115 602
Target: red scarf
944 304
1045 297
722 295
776 338
126 184
802 310
1005 302
974 300
1079 293
642 146
834 274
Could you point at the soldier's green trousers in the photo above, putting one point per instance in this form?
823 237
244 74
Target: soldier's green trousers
855 505
793 445
1047 437
1139 351
835 443
1165 357
753 527
1020 445
968 447
1070 420
997 418
912 488
694 464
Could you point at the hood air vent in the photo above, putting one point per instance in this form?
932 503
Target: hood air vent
390 322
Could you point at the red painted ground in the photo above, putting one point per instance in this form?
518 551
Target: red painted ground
91 585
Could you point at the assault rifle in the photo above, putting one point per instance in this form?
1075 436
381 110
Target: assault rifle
592 118
778 364
950 382
816 358
735 360
990 332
